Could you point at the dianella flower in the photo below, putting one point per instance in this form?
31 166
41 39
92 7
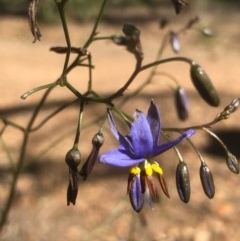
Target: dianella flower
137 150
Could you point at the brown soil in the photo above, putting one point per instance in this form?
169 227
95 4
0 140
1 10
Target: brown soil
103 211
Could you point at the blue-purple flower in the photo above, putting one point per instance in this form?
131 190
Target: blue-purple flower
137 149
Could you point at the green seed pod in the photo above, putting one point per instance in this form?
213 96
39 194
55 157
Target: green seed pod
204 85
207 180
232 163
181 102
73 158
183 182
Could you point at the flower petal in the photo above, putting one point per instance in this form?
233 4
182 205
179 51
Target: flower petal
153 118
141 135
125 142
164 147
136 194
119 158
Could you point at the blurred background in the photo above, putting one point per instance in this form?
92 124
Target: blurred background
102 211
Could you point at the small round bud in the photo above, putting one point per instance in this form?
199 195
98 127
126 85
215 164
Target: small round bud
73 158
98 140
232 163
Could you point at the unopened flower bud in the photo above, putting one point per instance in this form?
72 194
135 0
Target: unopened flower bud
207 180
204 85
175 42
181 101
232 163
73 158
97 142
183 182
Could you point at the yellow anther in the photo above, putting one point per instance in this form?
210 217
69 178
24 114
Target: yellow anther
148 168
135 170
156 168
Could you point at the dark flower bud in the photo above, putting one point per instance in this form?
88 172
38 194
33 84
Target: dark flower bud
207 180
131 30
178 4
73 158
133 42
232 163
183 182
97 142
181 101
204 85
135 192
175 42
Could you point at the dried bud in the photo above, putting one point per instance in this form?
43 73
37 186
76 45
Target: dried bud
133 42
204 85
131 30
183 182
175 42
181 101
32 10
135 192
74 50
178 4
232 163
73 158
207 180
119 39
97 142
229 109
72 190
233 106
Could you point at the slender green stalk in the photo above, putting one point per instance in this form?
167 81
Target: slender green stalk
61 6
94 30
